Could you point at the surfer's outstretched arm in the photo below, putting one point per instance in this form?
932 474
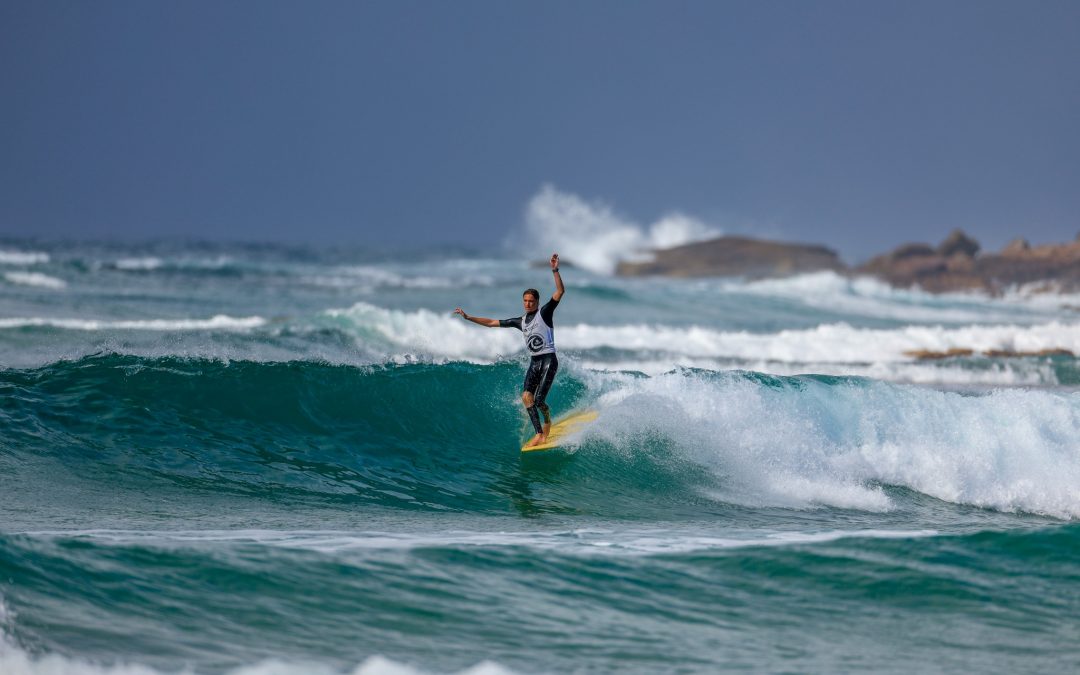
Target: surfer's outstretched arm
559 289
490 323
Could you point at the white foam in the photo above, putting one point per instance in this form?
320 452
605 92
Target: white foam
593 236
369 278
426 333
23 257
217 322
829 343
36 279
866 296
587 542
1022 372
146 264
16 661
213 263
1043 294
150 263
811 443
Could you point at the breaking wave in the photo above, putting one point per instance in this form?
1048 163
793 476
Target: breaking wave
660 443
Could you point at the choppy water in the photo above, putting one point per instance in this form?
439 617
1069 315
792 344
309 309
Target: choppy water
258 459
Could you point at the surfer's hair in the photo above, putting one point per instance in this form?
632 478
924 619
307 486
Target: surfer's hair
533 292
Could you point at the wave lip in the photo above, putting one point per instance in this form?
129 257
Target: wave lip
216 322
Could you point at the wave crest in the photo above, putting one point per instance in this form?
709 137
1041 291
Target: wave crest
841 441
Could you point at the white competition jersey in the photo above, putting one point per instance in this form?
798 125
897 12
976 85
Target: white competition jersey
539 337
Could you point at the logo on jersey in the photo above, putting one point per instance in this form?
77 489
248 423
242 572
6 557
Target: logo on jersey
535 343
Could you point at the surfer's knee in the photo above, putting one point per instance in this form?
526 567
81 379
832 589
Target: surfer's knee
527 398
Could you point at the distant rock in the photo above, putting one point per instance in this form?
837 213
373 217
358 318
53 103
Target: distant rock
930 355
922 265
958 243
1016 247
910 251
956 265
958 352
736 257
1009 354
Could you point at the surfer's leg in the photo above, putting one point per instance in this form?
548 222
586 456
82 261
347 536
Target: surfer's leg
547 375
546 412
527 399
534 417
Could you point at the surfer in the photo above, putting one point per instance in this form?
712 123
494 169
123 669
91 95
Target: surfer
538 329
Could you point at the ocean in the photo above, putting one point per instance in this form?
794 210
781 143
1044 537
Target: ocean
274 460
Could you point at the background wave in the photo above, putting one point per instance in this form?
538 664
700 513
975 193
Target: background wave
991 600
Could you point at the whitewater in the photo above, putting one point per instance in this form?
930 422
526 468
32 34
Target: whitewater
267 459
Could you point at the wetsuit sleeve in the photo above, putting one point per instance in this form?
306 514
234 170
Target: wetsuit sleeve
548 311
511 323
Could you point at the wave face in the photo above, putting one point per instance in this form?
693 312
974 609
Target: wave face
427 436
260 459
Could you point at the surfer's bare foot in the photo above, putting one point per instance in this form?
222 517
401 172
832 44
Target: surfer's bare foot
547 429
538 439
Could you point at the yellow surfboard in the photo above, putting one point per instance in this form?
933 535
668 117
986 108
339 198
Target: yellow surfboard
564 428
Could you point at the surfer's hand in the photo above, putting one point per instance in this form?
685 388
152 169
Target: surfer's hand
554 260
458 310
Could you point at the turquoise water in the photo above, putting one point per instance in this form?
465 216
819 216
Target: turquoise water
257 459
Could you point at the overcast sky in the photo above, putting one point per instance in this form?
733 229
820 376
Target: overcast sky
860 125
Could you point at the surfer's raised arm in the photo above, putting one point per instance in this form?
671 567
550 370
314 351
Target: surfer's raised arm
490 323
559 288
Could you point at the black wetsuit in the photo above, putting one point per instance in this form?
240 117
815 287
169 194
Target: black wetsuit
542 367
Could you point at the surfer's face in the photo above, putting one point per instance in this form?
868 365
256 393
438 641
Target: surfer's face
529 302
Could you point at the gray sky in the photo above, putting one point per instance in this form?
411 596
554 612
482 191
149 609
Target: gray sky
855 124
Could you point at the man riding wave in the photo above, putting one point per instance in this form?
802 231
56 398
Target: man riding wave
539 332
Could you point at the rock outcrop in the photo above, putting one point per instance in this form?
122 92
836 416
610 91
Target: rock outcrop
958 352
958 243
956 265
736 257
